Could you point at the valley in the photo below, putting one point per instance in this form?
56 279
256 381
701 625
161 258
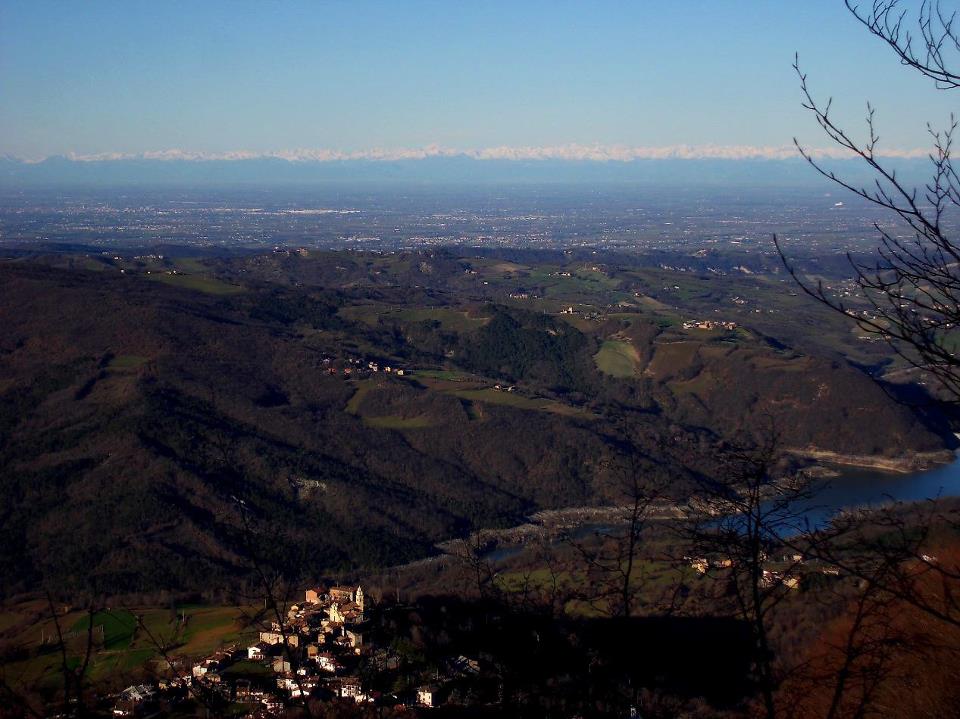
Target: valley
382 403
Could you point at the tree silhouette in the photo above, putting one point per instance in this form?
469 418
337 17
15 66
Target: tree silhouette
912 281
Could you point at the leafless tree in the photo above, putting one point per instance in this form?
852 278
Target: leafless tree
277 582
929 44
842 675
893 549
911 284
73 669
616 573
205 693
735 525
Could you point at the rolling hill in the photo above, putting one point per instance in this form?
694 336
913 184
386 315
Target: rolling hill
167 434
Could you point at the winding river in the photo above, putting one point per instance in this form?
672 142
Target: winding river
857 488
850 489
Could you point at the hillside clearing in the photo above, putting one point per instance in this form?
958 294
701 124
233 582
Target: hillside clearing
617 358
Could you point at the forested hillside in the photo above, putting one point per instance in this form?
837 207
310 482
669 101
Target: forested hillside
159 430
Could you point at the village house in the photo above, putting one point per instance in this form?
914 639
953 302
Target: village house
347 688
138 693
771 578
342 642
346 594
315 595
205 667
708 325
327 662
349 613
286 683
350 688
303 688
257 651
347 605
328 626
275 637
427 696
271 637
132 700
272 703
704 564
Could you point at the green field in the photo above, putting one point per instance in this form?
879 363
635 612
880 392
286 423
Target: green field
617 358
364 387
367 314
114 628
207 285
189 264
94 265
449 319
453 320
541 578
596 280
493 396
124 640
353 404
210 627
654 576
441 374
512 399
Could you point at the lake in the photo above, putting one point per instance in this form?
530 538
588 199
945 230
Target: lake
870 487
853 488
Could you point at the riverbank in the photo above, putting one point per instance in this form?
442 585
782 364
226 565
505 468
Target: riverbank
844 482
915 462
550 525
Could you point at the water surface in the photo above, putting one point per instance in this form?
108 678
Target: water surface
856 488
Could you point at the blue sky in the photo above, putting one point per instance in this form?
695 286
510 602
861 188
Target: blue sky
211 77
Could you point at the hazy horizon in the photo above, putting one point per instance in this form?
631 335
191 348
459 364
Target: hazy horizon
460 169
503 80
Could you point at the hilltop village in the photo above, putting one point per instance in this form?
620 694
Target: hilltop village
334 647
338 648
